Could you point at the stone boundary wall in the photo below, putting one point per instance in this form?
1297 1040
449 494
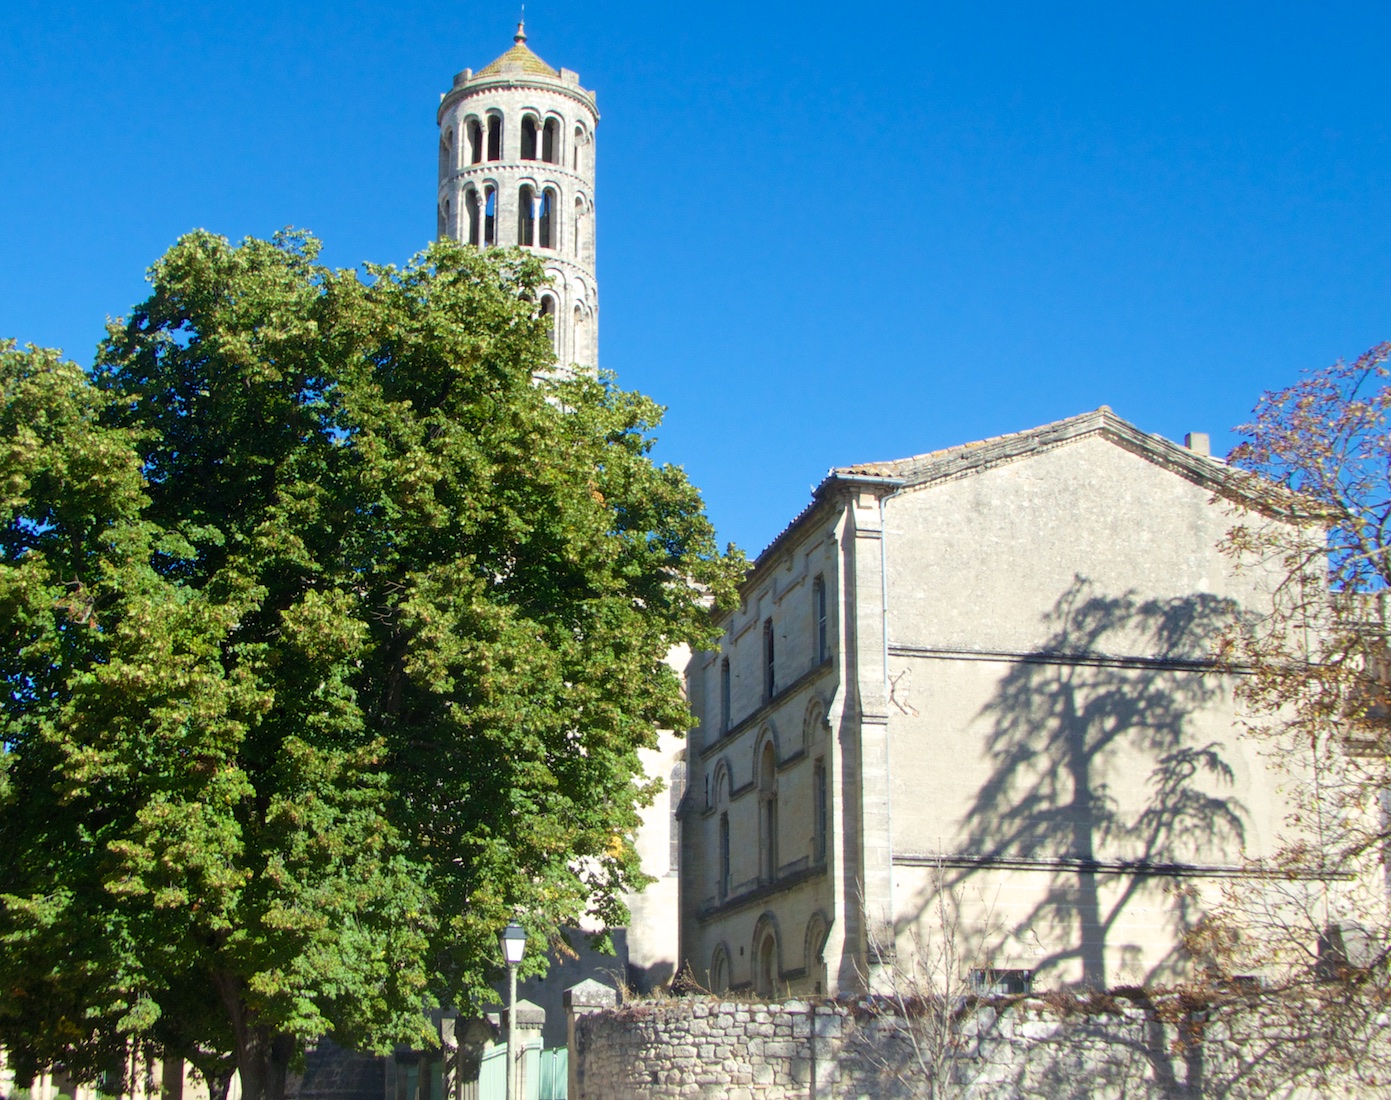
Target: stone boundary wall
1060 1047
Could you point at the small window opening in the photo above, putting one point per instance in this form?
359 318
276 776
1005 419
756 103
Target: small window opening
526 216
724 883
580 347
678 791
768 813
766 984
475 141
471 209
446 152
550 142
490 217
724 695
822 641
818 810
770 680
575 149
494 137
986 981
528 138
547 219
548 315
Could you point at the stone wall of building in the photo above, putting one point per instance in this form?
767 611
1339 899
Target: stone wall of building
1063 1047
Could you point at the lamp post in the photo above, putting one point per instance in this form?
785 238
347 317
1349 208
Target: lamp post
513 942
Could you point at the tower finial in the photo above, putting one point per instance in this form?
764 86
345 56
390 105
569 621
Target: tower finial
520 36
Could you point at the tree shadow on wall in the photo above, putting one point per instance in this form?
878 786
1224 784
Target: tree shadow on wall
1097 779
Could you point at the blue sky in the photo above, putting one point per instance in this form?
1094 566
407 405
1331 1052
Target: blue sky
827 234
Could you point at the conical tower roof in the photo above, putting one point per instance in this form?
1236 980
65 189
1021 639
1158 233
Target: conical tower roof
518 59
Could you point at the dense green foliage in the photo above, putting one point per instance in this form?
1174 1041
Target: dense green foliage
332 622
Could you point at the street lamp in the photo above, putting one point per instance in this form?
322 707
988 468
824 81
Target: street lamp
512 940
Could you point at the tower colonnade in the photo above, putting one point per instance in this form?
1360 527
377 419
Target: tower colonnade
516 167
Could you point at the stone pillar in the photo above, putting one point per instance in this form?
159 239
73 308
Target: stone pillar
583 999
531 1019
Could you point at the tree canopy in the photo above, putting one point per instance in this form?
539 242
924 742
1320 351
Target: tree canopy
332 619
1315 683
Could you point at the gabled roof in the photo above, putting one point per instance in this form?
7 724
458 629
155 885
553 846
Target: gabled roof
967 458
518 59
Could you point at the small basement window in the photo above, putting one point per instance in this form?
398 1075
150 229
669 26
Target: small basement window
986 981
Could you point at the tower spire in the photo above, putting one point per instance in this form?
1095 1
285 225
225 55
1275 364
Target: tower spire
520 37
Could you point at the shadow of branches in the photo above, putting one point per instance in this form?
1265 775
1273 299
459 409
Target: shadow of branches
1097 769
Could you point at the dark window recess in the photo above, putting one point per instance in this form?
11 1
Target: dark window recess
989 982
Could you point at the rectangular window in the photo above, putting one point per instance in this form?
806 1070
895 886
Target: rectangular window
986 981
819 595
818 794
724 696
770 680
724 856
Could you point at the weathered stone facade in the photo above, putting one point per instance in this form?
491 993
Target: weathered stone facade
968 706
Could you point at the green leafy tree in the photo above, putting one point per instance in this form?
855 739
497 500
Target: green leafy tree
332 623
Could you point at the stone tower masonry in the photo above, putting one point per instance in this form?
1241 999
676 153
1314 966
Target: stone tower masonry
516 167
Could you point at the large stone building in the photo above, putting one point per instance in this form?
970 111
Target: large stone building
966 716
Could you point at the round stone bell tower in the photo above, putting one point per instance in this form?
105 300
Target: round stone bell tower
517 168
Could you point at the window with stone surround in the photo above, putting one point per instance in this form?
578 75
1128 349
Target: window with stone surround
494 136
474 129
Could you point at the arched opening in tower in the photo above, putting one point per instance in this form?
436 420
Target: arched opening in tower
494 137
490 217
547 219
526 216
471 206
475 141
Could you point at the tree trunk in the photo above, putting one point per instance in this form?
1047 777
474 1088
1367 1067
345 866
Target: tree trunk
263 1054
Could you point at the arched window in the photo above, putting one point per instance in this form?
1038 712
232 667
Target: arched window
528 138
817 932
490 217
719 970
441 227
447 151
579 214
765 980
819 810
448 218
547 219
526 215
550 142
724 695
472 213
724 883
677 792
579 348
575 149
494 137
474 129
770 679
768 814
548 315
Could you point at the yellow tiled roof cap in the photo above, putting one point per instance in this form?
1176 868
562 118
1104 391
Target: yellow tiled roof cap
519 58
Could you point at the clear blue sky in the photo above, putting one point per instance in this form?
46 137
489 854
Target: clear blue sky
827 234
